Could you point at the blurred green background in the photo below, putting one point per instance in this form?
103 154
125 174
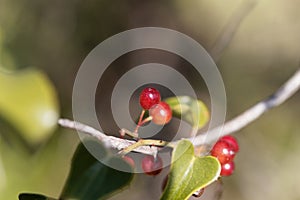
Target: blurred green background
42 45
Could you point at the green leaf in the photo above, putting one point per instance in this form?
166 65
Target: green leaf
90 179
189 173
28 102
27 196
190 110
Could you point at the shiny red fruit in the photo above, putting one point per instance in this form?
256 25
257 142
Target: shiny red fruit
223 151
161 113
149 97
232 141
152 166
227 169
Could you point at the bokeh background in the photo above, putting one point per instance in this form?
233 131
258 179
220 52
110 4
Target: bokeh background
44 43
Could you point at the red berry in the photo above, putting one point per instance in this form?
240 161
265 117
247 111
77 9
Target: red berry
232 141
148 97
152 166
223 151
129 160
227 169
161 113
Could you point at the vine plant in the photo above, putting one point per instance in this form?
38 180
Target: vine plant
193 166
191 170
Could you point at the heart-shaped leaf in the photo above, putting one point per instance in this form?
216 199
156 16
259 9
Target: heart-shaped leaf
28 196
190 110
28 101
90 179
189 173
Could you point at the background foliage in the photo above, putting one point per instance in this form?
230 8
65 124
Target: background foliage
55 37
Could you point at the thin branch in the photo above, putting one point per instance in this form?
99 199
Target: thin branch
234 125
82 128
108 141
239 122
230 29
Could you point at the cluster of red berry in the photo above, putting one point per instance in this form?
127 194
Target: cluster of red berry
160 113
225 150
